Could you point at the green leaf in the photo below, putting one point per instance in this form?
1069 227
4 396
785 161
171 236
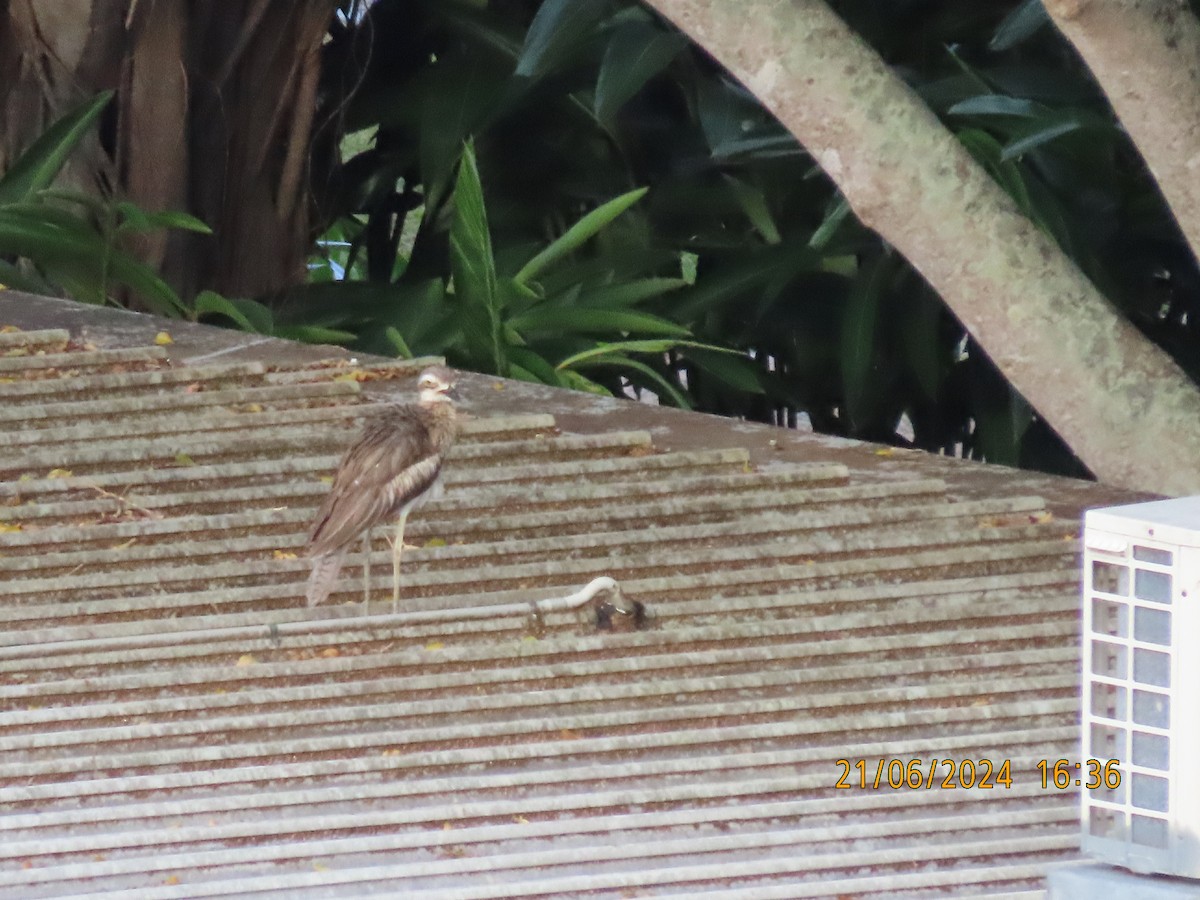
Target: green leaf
1043 134
57 239
591 321
314 334
753 202
748 272
557 30
97 207
39 215
689 267
12 277
921 342
629 293
636 52
734 123
41 162
579 233
137 219
829 226
997 105
474 267
1002 416
1019 25
460 97
579 382
334 302
767 146
418 311
248 314
396 340
637 346
475 26
859 344
535 364
730 366
989 153
660 385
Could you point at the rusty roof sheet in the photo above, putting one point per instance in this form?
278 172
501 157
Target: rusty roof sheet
174 722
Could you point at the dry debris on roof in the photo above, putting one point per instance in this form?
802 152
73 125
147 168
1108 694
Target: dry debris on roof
175 723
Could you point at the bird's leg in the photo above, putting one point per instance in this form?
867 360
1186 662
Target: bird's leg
367 572
397 549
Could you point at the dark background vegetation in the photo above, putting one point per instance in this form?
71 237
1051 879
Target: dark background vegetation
476 174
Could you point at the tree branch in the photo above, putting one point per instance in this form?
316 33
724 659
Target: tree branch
1146 56
1122 405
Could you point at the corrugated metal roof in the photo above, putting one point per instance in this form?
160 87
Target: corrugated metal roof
174 722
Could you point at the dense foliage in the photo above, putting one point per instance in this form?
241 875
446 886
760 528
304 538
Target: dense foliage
740 239
567 191
52 238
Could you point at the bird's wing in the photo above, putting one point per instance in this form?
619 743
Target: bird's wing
323 576
382 470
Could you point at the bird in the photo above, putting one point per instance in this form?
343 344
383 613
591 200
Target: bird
393 466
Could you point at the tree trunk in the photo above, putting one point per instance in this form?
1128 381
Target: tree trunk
213 115
1146 56
1121 404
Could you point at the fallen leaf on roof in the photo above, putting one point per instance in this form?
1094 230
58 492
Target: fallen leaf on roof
885 451
434 645
162 339
285 554
436 542
246 660
59 473
182 459
330 652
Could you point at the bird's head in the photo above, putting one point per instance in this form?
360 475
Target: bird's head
436 385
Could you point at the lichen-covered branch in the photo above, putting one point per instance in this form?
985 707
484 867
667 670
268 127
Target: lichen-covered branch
1122 405
1146 56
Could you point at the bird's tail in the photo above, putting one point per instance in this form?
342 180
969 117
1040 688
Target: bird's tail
324 573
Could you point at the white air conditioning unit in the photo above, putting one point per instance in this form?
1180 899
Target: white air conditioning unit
1140 766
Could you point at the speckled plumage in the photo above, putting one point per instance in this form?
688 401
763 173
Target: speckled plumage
393 466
